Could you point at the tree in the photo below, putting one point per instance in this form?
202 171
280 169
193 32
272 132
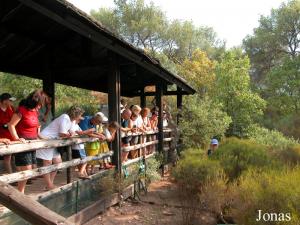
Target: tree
283 84
199 71
65 96
277 37
146 26
201 120
234 92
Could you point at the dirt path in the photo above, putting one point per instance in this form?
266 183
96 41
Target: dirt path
160 206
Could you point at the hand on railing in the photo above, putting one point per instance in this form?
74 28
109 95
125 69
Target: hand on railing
5 141
22 140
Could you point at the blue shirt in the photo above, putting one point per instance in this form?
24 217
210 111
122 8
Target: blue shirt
86 124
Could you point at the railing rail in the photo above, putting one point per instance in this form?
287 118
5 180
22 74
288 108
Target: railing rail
18 147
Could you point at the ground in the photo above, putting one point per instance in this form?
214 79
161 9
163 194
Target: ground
160 206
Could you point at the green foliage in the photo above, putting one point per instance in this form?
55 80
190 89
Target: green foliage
276 37
237 156
234 92
67 96
147 26
271 138
283 83
270 191
201 120
152 171
14 85
194 170
289 156
199 71
217 196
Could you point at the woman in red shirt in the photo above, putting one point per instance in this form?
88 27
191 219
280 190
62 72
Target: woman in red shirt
23 126
6 113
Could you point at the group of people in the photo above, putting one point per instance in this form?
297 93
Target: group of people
135 119
32 120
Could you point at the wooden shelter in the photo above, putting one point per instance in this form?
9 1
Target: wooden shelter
54 41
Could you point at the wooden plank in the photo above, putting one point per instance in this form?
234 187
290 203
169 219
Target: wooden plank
100 206
29 209
167 93
179 104
24 175
132 161
69 169
17 147
168 139
138 146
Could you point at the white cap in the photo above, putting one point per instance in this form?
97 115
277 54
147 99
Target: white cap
103 117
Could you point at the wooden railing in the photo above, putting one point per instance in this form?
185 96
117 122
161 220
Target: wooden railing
28 211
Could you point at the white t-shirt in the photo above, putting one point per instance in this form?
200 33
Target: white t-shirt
139 122
75 127
61 124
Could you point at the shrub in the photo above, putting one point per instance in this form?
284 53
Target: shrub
289 156
217 197
201 120
271 138
192 173
238 155
270 191
194 170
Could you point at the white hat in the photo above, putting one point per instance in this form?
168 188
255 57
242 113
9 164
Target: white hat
103 117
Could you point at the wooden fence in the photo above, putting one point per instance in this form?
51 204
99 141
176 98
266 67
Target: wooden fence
29 208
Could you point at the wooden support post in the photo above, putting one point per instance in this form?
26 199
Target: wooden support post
143 99
69 170
114 92
48 80
159 104
49 88
179 104
28 208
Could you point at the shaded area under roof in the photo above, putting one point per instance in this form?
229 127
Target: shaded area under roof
37 37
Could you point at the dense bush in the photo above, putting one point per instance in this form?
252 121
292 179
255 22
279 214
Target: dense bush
217 197
238 155
271 138
270 191
192 173
194 170
289 156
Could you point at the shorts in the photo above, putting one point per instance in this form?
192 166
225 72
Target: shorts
47 154
25 158
78 154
